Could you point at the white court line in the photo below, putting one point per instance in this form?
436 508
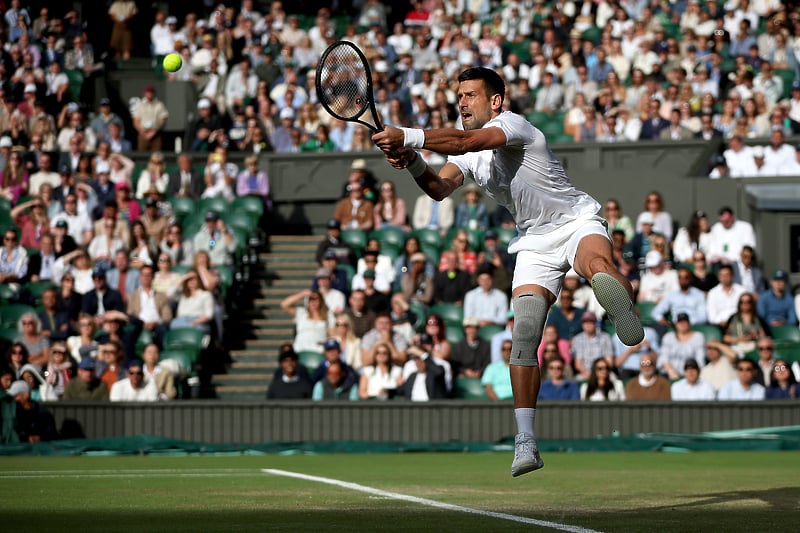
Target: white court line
430 503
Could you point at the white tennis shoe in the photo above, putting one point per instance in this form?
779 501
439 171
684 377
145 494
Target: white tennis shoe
526 455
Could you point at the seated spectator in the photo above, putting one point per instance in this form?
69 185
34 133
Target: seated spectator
783 385
496 378
550 335
36 343
565 316
679 346
662 220
105 245
377 301
582 294
627 358
87 386
122 229
451 284
335 248
195 305
641 242
219 174
390 210
556 386
776 306
55 322
312 320
467 259
349 344
472 213
102 298
484 302
470 356
427 381
429 213
290 383
382 379
216 239
40 390
134 388
155 225
165 280
747 273
16 358
590 345
334 298
185 181
382 271
691 387
658 280
123 338
403 319
602 385
211 280
83 344
719 367
121 277
180 251
382 333
13 259
253 182
32 422
60 369
692 238
31 218
150 307
355 211
110 363
729 236
745 326
649 385
335 385
416 284
362 318
685 300
722 300
744 387
41 265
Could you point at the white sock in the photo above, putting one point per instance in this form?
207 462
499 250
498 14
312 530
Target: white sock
525 417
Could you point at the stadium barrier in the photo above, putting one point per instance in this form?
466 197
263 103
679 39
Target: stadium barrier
396 421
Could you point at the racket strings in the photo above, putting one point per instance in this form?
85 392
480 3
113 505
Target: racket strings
344 82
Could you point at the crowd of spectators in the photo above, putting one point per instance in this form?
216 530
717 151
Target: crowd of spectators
78 213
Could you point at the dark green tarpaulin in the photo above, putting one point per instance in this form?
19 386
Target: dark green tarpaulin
783 438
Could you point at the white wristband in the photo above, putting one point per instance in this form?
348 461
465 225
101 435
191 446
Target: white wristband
417 167
413 138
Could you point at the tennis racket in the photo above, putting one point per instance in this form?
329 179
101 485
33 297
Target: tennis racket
344 85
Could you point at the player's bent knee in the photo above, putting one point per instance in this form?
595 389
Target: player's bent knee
530 313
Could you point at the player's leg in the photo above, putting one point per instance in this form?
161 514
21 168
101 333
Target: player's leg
594 261
530 303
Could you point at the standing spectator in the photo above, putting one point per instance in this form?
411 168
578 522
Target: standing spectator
134 388
590 345
556 386
484 302
691 387
722 300
121 13
776 306
216 239
744 386
649 385
470 356
103 119
602 385
149 117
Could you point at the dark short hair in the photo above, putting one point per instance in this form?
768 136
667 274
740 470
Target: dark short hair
494 83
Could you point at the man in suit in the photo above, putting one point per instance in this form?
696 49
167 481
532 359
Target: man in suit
707 129
149 307
653 123
121 277
55 323
40 266
747 273
674 130
185 181
427 370
66 186
98 301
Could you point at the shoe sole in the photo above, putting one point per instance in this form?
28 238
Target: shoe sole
617 302
525 468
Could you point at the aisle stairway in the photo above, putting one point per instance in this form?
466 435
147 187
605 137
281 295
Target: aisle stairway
286 269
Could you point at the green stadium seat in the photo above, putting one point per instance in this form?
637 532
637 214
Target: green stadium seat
11 313
466 388
452 314
432 252
218 204
788 77
786 333
389 237
9 292
429 236
538 118
487 332
145 338
310 360
421 311
592 34
645 308
36 288
356 238
453 332
349 270
9 333
505 235
182 206
250 204
182 359
75 78
241 220
188 339
709 331
564 138
554 128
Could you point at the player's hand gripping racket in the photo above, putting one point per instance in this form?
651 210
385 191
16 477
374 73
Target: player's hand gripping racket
344 85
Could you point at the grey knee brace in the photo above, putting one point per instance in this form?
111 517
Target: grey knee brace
530 313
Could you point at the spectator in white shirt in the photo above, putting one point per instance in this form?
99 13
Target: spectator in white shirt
778 154
744 387
134 388
739 158
722 301
484 302
728 236
691 387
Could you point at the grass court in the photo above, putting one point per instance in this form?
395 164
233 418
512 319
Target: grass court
638 491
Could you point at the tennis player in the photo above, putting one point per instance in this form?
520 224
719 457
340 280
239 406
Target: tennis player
558 226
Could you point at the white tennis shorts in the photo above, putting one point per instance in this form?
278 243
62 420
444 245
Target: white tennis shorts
545 259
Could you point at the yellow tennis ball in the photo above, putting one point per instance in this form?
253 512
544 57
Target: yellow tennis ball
172 62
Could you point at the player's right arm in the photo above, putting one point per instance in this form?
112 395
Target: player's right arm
436 185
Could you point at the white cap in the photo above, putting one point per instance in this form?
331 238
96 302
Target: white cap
287 112
171 20
102 167
417 90
381 66
465 57
30 88
758 151
203 103
653 259
6 142
647 218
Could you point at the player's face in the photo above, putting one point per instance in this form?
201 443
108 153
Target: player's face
475 104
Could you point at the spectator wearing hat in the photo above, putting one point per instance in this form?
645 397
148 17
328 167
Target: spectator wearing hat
206 123
336 384
149 117
691 387
417 285
589 345
87 386
376 300
103 119
332 351
657 280
154 222
185 181
728 236
216 239
472 214
470 356
32 423
334 299
134 387
719 168
282 139
292 381
339 277
776 305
